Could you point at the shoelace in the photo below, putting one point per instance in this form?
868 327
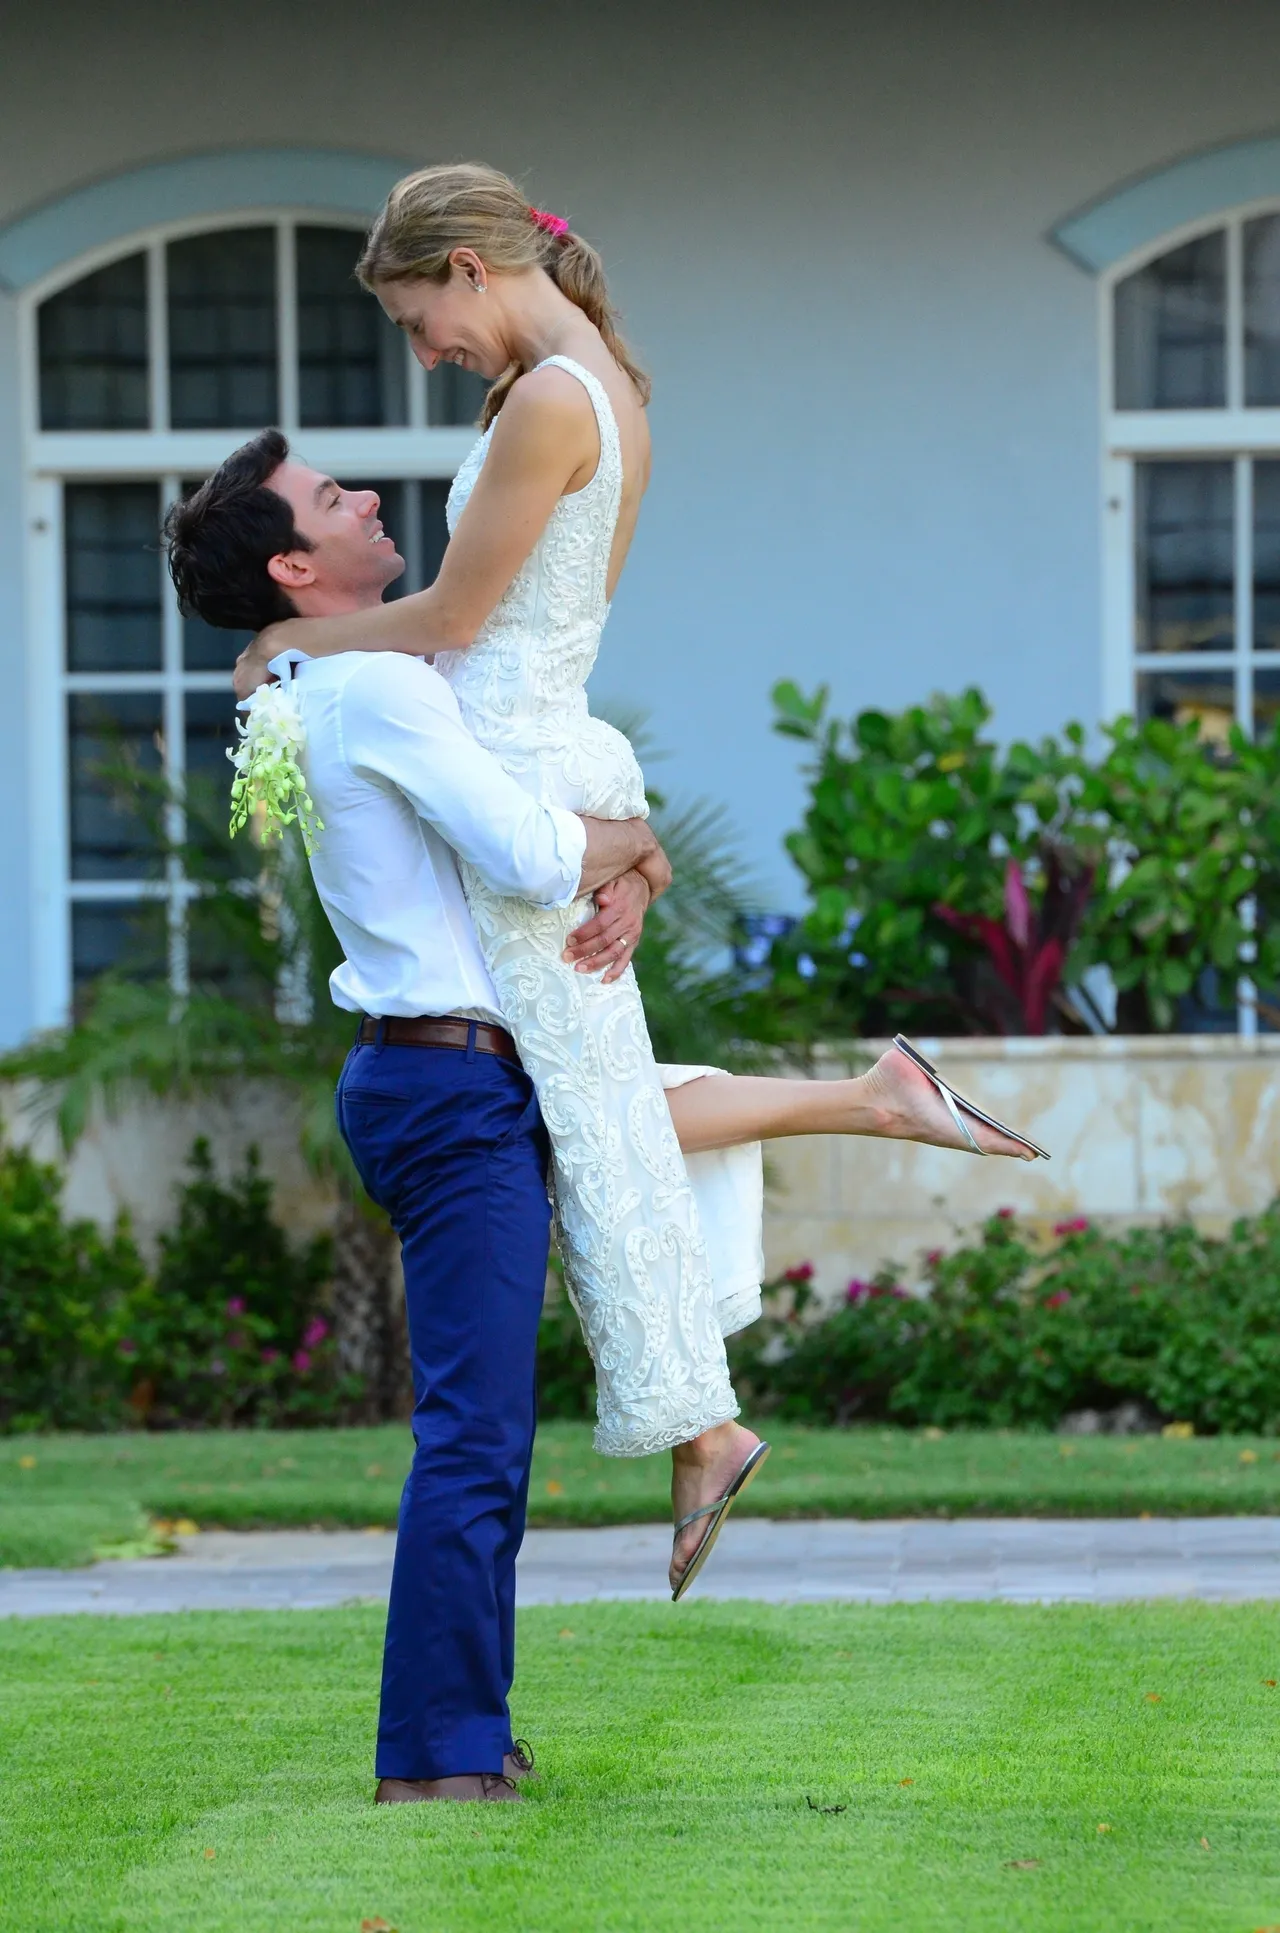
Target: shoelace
491 1779
522 1754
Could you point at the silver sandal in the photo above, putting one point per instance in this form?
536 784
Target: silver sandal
956 1101
717 1512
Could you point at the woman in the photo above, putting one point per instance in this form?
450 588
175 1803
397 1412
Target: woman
541 517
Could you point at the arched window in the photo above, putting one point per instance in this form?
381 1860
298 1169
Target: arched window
1192 485
145 368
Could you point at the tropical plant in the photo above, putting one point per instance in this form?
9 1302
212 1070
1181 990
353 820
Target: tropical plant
256 1012
958 886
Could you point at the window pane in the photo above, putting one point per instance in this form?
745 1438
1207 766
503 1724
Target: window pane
1266 702
93 352
1207 697
1262 310
1266 556
1186 557
209 734
351 360
112 836
113 576
1170 329
132 936
455 397
222 330
435 531
203 647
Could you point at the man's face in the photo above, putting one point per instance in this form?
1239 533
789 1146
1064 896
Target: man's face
353 559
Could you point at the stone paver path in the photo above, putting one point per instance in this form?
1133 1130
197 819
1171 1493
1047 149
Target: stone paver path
1016 1560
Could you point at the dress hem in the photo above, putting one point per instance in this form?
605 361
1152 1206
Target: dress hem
606 1443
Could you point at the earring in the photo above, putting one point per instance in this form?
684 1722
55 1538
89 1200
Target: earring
479 287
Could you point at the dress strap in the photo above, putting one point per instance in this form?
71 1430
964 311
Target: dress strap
606 421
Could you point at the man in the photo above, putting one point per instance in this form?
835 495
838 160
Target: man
441 1120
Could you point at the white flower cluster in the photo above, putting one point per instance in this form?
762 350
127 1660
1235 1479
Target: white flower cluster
269 785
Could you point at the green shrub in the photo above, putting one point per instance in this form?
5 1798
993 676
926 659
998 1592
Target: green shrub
230 1330
65 1289
1014 1333
914 820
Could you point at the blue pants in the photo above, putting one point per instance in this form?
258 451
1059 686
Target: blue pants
451 1144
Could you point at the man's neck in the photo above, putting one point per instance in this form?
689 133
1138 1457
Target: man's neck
320 601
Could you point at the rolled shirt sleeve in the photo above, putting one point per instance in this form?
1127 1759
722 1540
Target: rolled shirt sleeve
401 723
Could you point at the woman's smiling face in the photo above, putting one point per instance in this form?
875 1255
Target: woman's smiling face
449 321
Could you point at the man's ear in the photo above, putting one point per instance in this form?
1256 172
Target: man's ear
293 570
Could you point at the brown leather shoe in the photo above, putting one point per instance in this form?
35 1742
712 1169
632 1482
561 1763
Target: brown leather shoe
465 1788
518 1764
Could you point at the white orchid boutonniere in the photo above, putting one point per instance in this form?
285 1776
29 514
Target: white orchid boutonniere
269 781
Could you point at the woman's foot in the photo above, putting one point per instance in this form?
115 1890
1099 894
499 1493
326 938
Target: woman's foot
910 1108
701 1472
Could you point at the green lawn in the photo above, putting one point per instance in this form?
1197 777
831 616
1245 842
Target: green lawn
64 1497
212 1773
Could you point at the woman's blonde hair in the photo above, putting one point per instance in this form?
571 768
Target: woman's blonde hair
466 205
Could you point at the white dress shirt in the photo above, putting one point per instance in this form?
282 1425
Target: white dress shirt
403 789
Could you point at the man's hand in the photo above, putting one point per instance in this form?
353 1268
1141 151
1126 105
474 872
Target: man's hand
611 936
251 665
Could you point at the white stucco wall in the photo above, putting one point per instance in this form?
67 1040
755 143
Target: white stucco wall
876 395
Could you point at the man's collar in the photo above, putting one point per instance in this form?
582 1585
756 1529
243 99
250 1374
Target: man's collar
281 666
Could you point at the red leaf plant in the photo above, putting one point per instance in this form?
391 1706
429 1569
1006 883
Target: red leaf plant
1028 949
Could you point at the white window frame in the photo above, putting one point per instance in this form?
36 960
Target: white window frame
165 457
1235 432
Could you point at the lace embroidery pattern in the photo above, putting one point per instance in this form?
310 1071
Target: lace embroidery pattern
635 1261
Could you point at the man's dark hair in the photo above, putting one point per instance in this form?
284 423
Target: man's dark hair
219 540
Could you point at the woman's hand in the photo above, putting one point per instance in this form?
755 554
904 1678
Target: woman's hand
251 665
611 936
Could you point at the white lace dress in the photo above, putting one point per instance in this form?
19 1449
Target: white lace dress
662 1258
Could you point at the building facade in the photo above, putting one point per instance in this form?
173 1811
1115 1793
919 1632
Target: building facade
964 324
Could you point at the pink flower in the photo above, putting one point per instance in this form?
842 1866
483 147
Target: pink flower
315 1332
127 1347
270 1355
933 1258
802 1272
1058 1299
857 1291
1005 1214
301 1362
1076 1226
237 1306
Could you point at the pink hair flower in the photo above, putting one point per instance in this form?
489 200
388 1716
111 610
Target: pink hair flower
549 224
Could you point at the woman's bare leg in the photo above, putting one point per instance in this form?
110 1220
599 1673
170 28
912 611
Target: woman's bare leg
893 1101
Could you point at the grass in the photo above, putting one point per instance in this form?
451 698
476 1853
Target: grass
65 1498
212 1773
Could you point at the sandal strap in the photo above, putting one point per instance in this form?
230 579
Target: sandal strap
707 1510
957 1117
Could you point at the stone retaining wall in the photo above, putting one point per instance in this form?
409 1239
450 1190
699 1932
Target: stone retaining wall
1139 1129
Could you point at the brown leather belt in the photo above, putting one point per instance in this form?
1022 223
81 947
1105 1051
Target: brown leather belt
448 1031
